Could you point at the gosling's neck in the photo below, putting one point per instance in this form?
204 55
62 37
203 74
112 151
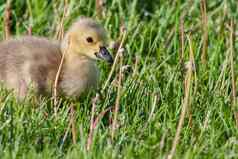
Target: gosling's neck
79 73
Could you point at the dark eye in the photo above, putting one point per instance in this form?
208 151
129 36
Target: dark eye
89 39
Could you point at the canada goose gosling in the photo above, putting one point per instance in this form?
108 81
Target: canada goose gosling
84 43
34 61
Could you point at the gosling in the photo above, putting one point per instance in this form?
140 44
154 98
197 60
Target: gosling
33 62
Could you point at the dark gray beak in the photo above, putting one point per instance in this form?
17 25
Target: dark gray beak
104 55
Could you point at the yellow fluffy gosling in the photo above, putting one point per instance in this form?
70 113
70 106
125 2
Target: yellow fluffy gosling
34 61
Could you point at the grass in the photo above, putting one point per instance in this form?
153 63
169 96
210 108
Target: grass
152 87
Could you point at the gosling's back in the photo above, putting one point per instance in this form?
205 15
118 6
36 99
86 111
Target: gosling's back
29 60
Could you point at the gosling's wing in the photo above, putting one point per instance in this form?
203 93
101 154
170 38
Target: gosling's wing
28 60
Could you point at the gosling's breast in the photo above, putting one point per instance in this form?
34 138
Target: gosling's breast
79 76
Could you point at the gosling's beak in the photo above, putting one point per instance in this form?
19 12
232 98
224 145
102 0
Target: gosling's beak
105 55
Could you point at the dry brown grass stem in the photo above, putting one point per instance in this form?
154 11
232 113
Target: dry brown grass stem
29 31
65 136
60 29
115 60
153 108
162 140
170 36
206 120
68 128
203 8
55 92
100 116
181 30
93 126
7 20
188 81
59 36
73 125
90 136
135 70
55 88
233 78
99 8
117 104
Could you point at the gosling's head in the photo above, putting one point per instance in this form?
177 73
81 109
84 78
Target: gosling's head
88 38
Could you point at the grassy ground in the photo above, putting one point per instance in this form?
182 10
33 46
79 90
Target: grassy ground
153 87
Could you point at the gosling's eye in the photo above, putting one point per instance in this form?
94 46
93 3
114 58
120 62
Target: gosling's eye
89 39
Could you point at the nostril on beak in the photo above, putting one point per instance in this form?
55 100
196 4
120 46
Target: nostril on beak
104 54
97 54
